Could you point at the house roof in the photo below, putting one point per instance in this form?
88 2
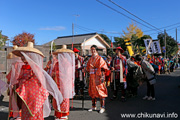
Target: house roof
78 39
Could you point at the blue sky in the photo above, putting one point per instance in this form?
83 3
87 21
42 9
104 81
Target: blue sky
49 19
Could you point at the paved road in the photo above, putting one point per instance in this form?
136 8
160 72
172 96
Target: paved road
167 101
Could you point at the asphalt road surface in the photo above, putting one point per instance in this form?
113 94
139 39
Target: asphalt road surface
165 107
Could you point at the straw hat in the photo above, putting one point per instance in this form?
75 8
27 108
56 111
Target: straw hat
63 50
29 48
11 55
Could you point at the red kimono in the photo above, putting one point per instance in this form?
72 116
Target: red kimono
65 104
97 88
108 74
32 94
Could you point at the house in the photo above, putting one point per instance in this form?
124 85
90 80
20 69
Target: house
83 42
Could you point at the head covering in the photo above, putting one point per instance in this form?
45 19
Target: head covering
29 48
11 55
76 50
34 58
63 50
66 60
119 48
138 57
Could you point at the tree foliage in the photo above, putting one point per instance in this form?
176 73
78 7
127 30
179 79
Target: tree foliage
106 39
119 42
132 30
22 39
109 51
171 44
3 40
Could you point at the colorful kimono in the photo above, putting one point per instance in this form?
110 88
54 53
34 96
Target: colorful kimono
78 62
79 83
120 65
32 94
116 64
65 104
96 67
108 74
12 77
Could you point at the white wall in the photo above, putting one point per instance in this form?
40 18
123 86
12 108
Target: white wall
93 41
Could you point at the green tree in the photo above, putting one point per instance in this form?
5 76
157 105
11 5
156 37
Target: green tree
119 42
3 40
109 51
106 39
138 43
171 44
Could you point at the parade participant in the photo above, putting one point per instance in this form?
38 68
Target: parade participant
171 65
108 72
79 61
63 74
119 64
50 63
97 89
150 77
34 85
133 75
15 64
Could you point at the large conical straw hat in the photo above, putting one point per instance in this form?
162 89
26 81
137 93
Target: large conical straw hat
29 48
11 55
63 50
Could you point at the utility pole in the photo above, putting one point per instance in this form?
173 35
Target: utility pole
176 35
76 15
72 35
165 42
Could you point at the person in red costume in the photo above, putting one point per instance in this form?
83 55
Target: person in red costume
119 64
34 85
15 64
108 72
63 74
96 67
79 83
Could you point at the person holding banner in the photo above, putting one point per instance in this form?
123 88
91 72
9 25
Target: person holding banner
119 65
96 67
150 77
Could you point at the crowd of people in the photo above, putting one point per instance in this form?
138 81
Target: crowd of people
67 74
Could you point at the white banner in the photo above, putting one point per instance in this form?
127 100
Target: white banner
152 46
148 46
156 47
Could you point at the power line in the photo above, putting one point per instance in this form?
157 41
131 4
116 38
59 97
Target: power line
164 27
135 15
81 27
122 14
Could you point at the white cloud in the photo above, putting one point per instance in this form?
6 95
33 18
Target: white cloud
56 28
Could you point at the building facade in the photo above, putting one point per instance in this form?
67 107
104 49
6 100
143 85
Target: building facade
83 42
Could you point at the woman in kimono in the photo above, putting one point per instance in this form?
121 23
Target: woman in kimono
34 85
15 63
96 67
63 74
